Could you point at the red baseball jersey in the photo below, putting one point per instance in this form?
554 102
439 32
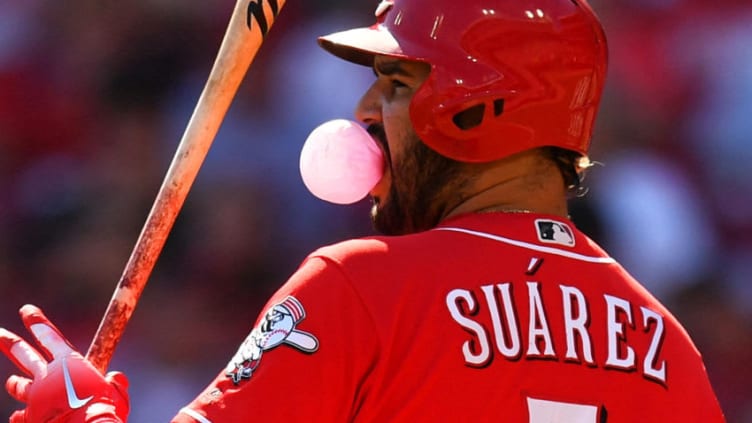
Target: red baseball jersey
486 318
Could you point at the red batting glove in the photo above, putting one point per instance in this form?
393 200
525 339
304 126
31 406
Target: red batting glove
64 386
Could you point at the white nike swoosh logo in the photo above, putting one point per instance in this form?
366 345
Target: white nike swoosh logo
74 401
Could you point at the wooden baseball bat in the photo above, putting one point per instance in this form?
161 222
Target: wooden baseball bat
249 24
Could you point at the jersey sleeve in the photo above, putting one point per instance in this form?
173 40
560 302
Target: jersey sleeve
306 358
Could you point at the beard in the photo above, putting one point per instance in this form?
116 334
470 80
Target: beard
425 186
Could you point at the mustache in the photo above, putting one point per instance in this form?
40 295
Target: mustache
376 130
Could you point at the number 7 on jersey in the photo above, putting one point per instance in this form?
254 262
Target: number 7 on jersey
544 411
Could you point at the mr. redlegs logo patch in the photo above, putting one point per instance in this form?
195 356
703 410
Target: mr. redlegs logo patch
277 327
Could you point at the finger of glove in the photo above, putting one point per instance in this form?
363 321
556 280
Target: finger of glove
23 355
118 380
18 416
120 384
48 336
18 387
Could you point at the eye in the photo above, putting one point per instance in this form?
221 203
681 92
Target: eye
396 83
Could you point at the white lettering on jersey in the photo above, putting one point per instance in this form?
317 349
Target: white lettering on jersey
570 325
571 296
650 362
507 338
616 335
538 327
479 358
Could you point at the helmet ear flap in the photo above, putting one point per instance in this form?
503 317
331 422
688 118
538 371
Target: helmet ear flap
458 124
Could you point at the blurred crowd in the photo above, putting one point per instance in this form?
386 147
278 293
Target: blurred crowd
94 97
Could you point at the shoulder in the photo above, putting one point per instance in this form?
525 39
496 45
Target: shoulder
365 263
344 252
381 250
339 264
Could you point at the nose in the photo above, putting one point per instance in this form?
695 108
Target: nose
368 110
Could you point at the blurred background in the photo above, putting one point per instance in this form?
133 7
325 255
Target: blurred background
94 97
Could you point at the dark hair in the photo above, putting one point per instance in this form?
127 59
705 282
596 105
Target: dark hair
572 166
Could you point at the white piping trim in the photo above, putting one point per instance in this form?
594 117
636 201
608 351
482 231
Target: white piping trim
195 415
541 248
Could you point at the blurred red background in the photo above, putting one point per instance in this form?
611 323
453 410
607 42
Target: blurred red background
94 97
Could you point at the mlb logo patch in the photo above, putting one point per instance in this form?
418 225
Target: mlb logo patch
554 232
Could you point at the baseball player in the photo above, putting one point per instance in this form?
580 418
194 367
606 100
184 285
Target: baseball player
482 301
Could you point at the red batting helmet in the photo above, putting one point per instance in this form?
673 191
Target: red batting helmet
506 75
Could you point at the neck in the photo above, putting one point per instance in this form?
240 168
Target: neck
525 182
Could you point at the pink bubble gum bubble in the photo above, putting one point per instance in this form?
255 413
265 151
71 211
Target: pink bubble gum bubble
340 162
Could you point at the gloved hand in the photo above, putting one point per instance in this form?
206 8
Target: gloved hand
64 386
